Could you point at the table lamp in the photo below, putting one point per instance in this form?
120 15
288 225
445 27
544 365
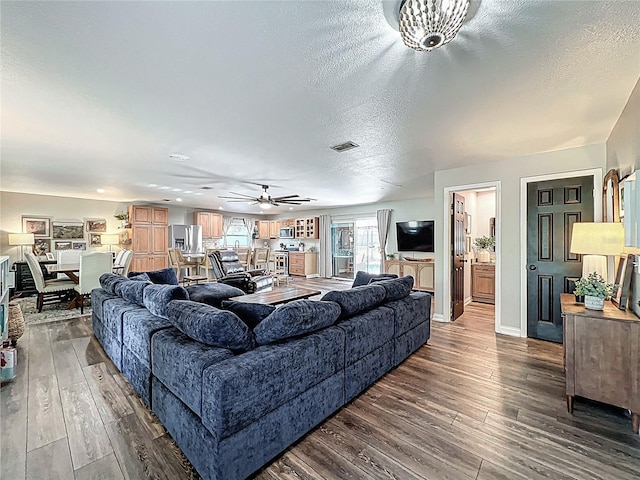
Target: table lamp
595 241
21 239
110 239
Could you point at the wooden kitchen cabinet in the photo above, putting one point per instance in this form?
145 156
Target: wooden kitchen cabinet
263 229
303 263
274 228
602 356
306 228
483 282
149 240
210 222
422 272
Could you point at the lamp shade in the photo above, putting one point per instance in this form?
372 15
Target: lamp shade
21 239
597 238
109 239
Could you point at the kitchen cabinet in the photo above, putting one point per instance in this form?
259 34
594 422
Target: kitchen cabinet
263 229
483 282
602 356
303 263
149 237
306 228
210 222
274 228
421 271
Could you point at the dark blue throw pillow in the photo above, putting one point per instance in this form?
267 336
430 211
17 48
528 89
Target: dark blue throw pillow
396 288
296 318
166 276
140 277
211 326
132 291
358 299
212 293
157 297
364 278
250 313
109 281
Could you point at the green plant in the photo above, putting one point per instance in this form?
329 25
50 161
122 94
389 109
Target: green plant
391 256
122 216
594 286
484 242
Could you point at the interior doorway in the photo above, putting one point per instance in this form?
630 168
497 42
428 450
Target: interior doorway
355 247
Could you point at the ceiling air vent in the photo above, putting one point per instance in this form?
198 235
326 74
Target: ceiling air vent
206 188
343 147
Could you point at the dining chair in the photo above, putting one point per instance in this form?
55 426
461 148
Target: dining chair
123 262
261 258
55 290
280 273
66 257
179 262
244 256
92 265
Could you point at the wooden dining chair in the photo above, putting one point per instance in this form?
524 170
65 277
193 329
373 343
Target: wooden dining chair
92 265
49 291
261 258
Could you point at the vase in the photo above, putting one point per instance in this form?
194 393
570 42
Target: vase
593 303
484 256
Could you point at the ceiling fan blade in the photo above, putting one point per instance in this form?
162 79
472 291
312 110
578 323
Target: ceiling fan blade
285 197
238 195
242 201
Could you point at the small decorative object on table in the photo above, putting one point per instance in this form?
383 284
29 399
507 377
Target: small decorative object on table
484 244
594 289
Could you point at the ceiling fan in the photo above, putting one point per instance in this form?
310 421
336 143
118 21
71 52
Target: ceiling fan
265 200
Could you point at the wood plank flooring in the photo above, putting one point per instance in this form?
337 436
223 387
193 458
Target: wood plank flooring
469 405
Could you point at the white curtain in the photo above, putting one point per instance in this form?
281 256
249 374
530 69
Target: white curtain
326 256
226 225
384 221
249 223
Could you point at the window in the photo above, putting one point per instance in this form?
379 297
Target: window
237 233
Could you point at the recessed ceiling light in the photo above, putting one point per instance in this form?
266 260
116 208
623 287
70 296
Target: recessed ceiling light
220 208
178 199
176 190
178 156
100 190
198 193
188 191
164 188
290 208
152 185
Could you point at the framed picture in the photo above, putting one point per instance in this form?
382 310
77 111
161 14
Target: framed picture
51 256
96 225
68 230
39 226
622 284
41 247
79 245
621 197
62 245
95 240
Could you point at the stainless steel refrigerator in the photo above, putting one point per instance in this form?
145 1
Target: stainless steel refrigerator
188 238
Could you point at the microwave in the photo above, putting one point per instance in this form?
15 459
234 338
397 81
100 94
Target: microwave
286 232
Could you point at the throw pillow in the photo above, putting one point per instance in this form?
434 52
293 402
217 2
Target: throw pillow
396 288
109 281
211 326
132 291
166 276
212 293
250 313
358 299
364 278
156 298
140 277
296 318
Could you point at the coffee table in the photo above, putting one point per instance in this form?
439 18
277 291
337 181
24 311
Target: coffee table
277 295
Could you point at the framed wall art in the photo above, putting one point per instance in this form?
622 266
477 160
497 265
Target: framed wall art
62 245
68 230
95 240
79 245
41 247
39 226
98 225
622 285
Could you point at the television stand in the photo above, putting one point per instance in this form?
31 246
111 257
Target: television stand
422 271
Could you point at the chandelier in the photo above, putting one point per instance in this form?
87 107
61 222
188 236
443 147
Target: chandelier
429 24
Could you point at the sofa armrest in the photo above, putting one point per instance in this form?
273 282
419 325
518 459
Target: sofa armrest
257 272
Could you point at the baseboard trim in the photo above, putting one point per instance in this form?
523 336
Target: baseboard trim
467 301
438 317
511 331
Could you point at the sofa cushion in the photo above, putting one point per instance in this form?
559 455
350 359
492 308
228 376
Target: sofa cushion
157 297
364 278
109 281
141 277
357 299
250 313
296 318
410 311
209 325
212 293
165 276
396 288
138 326
132 291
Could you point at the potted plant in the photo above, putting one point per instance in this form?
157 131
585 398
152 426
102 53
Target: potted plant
482 245
595 290
123 217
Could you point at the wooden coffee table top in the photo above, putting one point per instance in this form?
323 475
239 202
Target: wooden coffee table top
277 295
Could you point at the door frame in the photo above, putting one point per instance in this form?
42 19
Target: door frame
446 287
596 173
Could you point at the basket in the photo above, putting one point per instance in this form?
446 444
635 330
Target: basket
16 322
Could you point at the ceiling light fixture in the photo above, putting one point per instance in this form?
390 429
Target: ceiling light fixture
100 190
178 156
429 24
178 199
265 206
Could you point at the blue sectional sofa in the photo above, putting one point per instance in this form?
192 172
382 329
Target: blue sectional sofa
235 386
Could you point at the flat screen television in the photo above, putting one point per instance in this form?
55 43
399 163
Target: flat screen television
416 236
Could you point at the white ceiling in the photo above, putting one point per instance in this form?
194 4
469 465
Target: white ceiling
99 94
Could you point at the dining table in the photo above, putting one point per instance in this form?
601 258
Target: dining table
71 270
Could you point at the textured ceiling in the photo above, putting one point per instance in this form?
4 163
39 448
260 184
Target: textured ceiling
99 94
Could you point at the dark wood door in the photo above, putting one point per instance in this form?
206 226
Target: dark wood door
457 256
552 209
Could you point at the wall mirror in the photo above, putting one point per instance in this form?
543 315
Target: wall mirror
610 197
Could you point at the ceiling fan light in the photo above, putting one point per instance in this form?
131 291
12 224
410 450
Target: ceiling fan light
265 206
429 24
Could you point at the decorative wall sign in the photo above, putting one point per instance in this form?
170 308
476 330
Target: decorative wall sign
39 226
96 225
69 230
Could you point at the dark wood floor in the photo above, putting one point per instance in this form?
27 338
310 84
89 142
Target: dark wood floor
470 405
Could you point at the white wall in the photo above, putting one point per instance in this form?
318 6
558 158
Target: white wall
508 173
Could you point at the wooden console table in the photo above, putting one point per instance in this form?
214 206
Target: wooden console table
602 356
